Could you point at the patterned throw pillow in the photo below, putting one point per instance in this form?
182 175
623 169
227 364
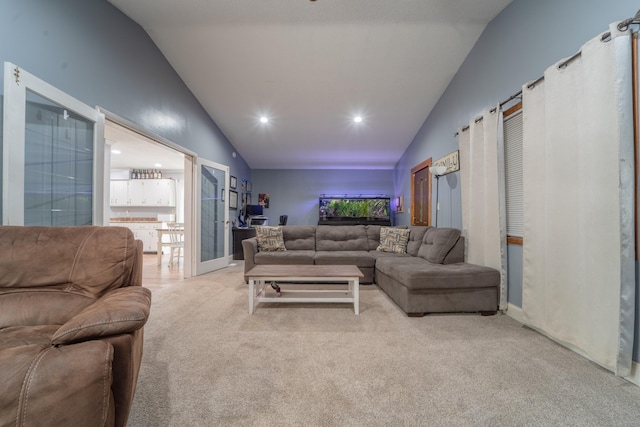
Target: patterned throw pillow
269 239
393 240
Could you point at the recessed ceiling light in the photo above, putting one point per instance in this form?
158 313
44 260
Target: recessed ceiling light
263 119
158 165
116 151
357 119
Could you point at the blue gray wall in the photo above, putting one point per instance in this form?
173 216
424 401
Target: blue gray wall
90 50
516 47
295 192
93 52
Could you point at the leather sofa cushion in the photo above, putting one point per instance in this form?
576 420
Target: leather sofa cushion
359 258
415 274
87 261
24 307
341 238
437 243
299 237
16 336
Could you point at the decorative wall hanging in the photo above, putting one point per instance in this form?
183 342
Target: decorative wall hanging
451 162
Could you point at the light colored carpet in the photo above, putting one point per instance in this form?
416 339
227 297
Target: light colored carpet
207 362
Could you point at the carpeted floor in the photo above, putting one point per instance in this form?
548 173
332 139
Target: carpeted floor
207 362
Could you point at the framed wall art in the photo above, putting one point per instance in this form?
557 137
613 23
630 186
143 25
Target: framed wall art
233 199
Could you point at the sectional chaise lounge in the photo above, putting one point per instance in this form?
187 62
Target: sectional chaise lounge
420 268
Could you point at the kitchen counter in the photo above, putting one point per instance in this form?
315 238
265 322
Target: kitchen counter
144 229
130 219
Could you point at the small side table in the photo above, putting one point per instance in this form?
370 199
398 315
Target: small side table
240 234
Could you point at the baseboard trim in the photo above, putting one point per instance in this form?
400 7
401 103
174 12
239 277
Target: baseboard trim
635 374
514 312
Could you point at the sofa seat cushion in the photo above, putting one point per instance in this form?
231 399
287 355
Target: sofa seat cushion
286 258
416 274
16 336
379 254
359 258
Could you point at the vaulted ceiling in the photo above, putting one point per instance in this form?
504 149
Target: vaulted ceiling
311 67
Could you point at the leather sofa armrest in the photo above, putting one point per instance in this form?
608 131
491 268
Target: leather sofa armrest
120 311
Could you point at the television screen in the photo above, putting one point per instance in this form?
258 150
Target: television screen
254 210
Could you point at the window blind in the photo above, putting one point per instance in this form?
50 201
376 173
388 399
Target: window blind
513 173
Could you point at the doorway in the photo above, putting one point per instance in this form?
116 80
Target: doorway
201 194
421 193
146 191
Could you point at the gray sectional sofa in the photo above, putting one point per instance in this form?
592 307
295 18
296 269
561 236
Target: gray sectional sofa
431 277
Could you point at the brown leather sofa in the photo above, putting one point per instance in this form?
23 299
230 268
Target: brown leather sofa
72 311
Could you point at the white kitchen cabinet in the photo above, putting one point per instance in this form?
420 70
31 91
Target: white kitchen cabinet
144 231
143 192
160 192
119 193
137 192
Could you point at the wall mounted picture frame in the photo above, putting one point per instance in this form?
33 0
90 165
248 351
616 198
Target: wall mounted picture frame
233 182
233 200
263 200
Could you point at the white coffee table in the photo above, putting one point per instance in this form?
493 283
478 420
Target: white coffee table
262 275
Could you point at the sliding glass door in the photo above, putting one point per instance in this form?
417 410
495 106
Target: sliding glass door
53 156
212 216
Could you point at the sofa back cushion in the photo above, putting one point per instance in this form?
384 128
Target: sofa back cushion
48 274
457 253
341 238
299 237
437 243
84 260
373 236
416 236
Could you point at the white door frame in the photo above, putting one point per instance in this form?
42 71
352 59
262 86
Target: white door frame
210 265
16 83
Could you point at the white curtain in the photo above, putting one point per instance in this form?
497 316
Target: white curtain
483 195
578 266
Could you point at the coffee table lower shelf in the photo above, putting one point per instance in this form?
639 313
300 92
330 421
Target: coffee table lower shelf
260 277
